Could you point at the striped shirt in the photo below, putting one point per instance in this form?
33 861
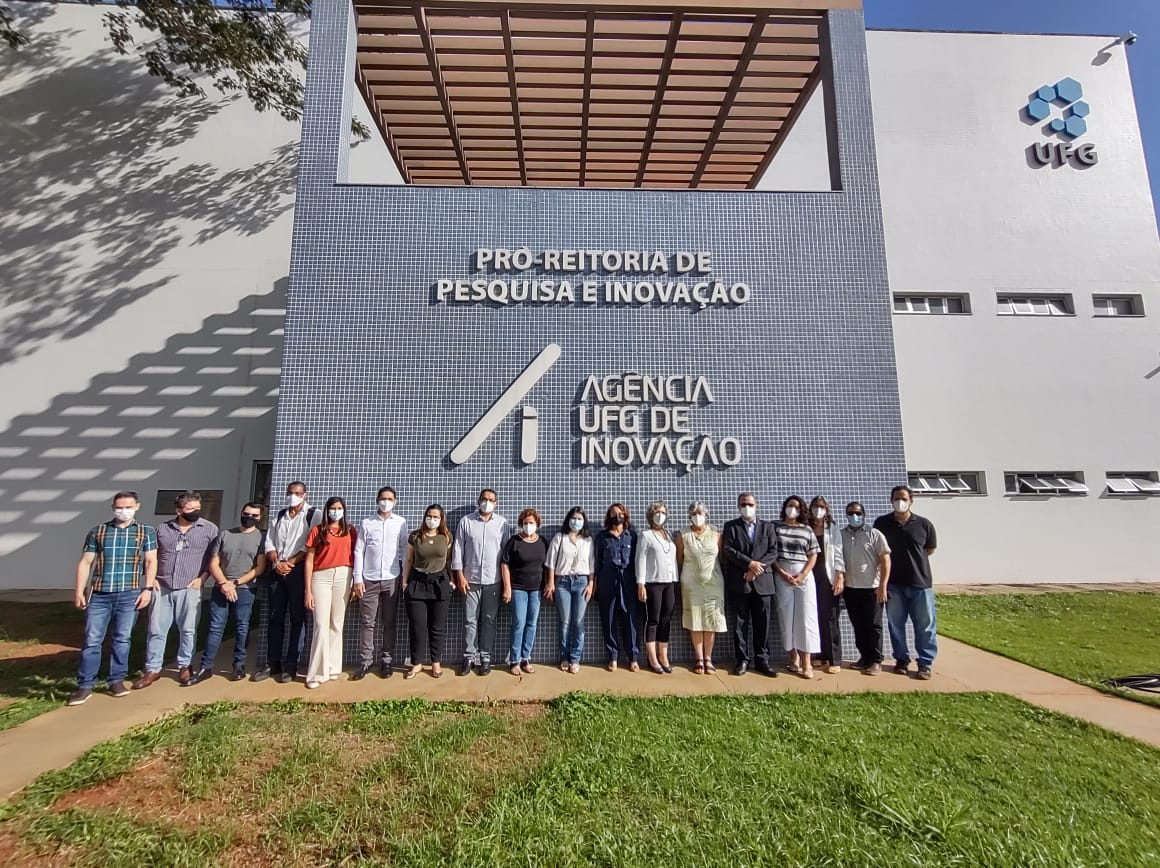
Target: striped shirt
182 557
794 545
120 555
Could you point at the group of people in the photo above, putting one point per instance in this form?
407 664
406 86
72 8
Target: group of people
803 566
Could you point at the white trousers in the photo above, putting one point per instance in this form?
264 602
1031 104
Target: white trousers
797 615
331 589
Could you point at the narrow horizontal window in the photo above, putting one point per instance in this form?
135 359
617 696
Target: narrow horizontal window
1034 305
932 304
947 482
1134 483
1049 482
1118 305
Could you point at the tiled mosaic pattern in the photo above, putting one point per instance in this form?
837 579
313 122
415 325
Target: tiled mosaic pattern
379 382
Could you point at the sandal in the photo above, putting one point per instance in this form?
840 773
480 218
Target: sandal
794 668
699 667
527 666
611 667
564 665
574 668
807 673
436 673
634 666
412 672
709 667
515 670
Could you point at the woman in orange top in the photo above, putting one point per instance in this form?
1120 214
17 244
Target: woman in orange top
329 559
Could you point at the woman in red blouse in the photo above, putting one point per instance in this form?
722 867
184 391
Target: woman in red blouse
329 559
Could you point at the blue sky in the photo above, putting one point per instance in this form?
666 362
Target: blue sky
1113 17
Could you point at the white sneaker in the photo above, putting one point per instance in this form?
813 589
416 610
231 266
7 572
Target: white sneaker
313 685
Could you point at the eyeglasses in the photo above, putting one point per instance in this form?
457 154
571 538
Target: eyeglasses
850 514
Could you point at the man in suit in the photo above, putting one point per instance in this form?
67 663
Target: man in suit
747 555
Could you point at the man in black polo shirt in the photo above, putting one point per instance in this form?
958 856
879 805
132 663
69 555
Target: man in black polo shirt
912 541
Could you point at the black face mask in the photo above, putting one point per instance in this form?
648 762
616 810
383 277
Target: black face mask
191 517
617 520
249 520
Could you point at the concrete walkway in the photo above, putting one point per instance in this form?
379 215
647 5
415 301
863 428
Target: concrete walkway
55 739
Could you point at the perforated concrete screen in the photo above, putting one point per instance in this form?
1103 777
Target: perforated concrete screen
584 346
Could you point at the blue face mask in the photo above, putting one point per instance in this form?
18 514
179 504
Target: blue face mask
856 520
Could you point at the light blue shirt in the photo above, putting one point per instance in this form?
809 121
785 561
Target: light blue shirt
478 544
379 549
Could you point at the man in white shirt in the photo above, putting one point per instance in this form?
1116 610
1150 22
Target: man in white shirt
479 539
379 550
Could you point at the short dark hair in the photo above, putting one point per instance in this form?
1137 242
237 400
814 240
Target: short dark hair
899 488
253 504
384 490
186 497
745 494
490 491
296 483
854 503
121 494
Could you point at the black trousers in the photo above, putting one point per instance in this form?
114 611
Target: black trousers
829 607
287 595
660 601
425 620
755 610
866 618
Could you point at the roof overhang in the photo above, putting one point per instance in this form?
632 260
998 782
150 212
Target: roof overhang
596 94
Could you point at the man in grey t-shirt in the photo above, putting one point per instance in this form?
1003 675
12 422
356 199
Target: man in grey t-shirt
237 562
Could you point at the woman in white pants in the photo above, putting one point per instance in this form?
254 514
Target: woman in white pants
797 602
329 558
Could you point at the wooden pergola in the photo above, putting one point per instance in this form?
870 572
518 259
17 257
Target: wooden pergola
596 94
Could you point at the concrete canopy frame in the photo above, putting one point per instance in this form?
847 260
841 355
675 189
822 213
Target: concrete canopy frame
566 94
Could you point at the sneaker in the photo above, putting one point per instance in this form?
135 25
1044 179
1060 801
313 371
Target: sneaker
117 689
80 696
263 673
239 674
924 673
485 667
873 669
901 668
312 684
286 677
198 677
860 665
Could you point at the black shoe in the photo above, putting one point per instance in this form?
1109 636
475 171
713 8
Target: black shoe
262 674
485 667
465 667
860 665
385 671
741 668
118 689
360 673
239 674
284 677
80 696
901 669
198 677
766 669
924 673
668 670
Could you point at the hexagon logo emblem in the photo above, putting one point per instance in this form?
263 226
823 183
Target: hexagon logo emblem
1066 95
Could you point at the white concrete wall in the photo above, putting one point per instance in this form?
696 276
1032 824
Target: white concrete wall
964 212
138 232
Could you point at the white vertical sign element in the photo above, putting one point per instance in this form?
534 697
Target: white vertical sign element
504 404
529 435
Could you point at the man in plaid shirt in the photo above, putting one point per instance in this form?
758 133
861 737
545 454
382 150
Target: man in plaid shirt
120 556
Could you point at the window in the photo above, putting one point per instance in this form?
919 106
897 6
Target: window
211 503
1047 482
947 482
1035 305
1118 305
932 304
1133 483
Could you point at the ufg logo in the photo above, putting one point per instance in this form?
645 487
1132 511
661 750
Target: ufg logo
1066 95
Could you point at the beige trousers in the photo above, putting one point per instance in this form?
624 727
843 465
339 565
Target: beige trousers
331 590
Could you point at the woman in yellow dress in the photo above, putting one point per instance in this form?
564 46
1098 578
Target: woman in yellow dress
702 585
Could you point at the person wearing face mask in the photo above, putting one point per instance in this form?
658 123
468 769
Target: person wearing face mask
797 604
747 555
116 577
286 553
522 566
828 583
702 586
613 556
238 560
329 564
427 589
571 581
479 539
656 585
378 561
912 541
867 559
185 546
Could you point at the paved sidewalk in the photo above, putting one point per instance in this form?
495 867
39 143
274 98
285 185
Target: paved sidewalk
55 739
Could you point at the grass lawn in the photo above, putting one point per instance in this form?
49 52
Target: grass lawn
918 779
1085 636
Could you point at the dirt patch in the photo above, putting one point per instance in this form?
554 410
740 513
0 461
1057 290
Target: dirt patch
150 791
20 650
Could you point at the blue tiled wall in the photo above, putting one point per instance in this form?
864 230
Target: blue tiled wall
379 382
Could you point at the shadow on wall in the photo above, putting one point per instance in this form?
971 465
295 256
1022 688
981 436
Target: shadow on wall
172 415
92 200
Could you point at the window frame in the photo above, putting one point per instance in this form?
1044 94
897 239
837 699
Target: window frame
1045 483
1042 304
943 299
1143 483
1134 299
972 483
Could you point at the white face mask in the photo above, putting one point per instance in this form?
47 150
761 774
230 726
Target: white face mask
819 512
431 522
386 506
698 520
902 506
486 507
336 514
791 512
124 513
576 524
293 500
747 512
659 519
530 528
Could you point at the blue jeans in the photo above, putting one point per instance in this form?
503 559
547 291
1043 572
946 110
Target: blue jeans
219 613
918 605
172 607
525 615
119 607
571 606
